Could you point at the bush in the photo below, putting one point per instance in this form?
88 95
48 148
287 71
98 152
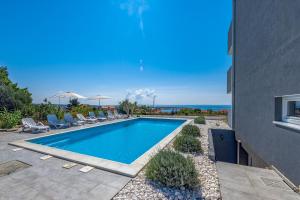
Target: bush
187 144
9 119
12 97
200 120
191 130
83 109
127 107
172 169
42 110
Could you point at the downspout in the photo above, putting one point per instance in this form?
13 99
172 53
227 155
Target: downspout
238 145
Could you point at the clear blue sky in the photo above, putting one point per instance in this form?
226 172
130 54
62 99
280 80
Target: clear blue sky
176 47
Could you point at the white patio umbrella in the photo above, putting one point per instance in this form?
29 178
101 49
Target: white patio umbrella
99 98
69 95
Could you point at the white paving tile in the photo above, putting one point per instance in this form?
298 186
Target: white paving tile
17 149
86 169
69 165
45 157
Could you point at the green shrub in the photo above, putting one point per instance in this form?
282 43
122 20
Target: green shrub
200 120
9 119
83 109
172 169
41 111
191 130
12 97
187 144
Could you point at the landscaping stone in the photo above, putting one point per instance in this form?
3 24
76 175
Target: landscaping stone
209 189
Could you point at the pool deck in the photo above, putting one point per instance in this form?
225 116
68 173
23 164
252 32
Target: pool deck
130 170
47 179
251 183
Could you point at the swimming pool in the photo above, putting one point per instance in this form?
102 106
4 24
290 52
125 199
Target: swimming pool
122 142
123 146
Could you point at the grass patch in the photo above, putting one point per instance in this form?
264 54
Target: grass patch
172 169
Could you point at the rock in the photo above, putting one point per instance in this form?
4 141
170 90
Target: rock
140 188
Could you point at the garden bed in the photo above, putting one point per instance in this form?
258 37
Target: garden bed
141 188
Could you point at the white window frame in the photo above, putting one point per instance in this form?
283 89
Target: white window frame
285 117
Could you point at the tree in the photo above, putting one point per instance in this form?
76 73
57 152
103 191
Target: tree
12 97
127 107
74 102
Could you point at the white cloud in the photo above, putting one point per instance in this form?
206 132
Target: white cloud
140 94
135 8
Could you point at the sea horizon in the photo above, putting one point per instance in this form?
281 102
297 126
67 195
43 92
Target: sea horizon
213 107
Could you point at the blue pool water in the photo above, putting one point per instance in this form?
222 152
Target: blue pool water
122 142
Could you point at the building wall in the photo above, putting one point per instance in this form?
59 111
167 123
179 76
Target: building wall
267 64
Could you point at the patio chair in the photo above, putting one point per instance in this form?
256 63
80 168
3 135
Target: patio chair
93 116
88 120
102 116
29 123
73 122
110 115
56 123
116 113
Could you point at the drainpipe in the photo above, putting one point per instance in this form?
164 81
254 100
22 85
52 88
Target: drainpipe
238 151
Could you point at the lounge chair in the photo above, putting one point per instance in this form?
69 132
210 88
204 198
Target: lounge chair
73 122
29 123
93 116
110 115
56 123
102 116
118 115
88 120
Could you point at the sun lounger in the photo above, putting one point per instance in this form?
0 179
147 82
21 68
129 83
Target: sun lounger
118 115
29 123
110 115
88 120
73 122
93 116
56 123
102 116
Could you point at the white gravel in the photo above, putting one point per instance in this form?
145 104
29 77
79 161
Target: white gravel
141 188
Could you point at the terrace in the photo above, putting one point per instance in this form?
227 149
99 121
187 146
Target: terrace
47 179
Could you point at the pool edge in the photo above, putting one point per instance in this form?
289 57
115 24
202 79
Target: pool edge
130 170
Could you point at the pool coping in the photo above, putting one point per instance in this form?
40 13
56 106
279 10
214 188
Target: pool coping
130 170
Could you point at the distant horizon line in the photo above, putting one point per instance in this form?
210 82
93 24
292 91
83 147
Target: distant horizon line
149 104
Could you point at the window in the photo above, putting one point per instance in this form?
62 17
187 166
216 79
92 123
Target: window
291 109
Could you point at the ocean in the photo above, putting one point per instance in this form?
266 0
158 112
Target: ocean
170 108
